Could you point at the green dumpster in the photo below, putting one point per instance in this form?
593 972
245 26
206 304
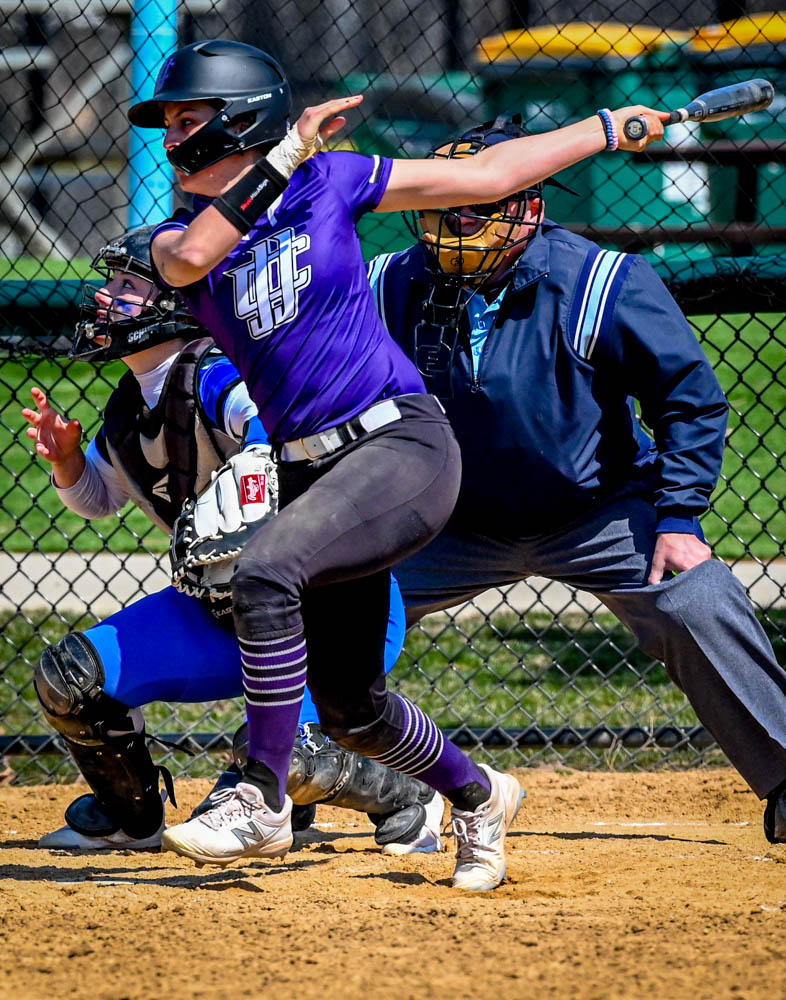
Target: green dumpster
730 52
558 74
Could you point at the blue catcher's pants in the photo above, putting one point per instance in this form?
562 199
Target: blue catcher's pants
168 647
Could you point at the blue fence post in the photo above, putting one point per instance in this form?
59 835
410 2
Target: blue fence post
153 37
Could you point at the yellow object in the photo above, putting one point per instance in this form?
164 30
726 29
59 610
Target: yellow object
584 38
473 255
743 31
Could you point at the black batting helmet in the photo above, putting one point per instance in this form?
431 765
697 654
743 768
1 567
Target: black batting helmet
241 80
114 332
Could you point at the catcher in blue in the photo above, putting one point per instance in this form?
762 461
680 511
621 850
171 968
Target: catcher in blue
269 262
175 418
538 342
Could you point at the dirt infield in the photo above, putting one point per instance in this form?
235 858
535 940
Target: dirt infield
620 886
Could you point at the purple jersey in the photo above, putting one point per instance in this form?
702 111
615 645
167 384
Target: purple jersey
292 307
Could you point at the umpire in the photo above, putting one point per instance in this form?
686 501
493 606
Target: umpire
538 342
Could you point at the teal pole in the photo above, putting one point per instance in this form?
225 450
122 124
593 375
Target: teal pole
153 38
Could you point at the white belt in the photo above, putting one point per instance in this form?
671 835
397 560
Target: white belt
326 442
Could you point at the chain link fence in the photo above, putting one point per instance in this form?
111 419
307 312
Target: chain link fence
533 673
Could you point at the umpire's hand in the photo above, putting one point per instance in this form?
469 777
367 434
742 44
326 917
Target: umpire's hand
675 553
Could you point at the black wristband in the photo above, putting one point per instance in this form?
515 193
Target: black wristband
251 196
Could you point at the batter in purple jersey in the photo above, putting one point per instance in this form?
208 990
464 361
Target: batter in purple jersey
270 263
293 304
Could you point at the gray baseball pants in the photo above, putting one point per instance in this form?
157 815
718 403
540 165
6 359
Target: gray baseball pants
700 623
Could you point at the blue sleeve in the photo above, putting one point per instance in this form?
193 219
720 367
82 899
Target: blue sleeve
360 180
254 433
662 365
217 378
101 445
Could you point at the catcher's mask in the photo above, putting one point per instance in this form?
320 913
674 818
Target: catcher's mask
470 241
132 321
245 84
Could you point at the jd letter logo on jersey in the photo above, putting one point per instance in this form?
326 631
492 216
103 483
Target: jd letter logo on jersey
266 288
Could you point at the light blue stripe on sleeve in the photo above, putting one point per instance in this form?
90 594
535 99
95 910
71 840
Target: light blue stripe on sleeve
376 272
595 297
374 267
607 288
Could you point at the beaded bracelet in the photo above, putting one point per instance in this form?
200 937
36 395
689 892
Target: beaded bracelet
612 139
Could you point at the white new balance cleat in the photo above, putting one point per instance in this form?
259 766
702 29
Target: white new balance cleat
241 826
89 813
428 838
480 857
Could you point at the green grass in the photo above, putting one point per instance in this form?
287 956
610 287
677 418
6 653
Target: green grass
514 673
749 357
33 268
31 514
748 519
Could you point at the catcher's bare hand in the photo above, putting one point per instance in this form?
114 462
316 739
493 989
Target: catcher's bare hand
56 439
676 553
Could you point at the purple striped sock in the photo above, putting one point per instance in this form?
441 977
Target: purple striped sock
422 750
274 679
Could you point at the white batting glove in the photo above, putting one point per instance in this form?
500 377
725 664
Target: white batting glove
293 150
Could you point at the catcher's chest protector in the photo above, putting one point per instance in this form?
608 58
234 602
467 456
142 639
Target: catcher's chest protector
166 454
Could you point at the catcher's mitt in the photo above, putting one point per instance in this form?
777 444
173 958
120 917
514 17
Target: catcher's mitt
212 529
212 581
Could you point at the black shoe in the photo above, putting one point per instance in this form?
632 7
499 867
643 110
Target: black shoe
414 829
303 817
775 817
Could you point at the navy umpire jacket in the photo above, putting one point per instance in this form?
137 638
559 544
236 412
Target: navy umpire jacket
544 411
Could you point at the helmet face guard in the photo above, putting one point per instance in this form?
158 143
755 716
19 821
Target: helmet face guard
244 83
124 327
471 241
208 145
105 334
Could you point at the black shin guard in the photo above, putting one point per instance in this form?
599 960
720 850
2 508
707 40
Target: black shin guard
124 779
106 739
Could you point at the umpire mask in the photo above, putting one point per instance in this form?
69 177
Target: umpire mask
470 241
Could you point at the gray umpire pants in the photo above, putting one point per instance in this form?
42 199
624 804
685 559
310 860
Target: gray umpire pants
700 623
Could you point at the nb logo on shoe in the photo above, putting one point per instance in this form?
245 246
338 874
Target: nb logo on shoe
251 834
252 488
494 828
